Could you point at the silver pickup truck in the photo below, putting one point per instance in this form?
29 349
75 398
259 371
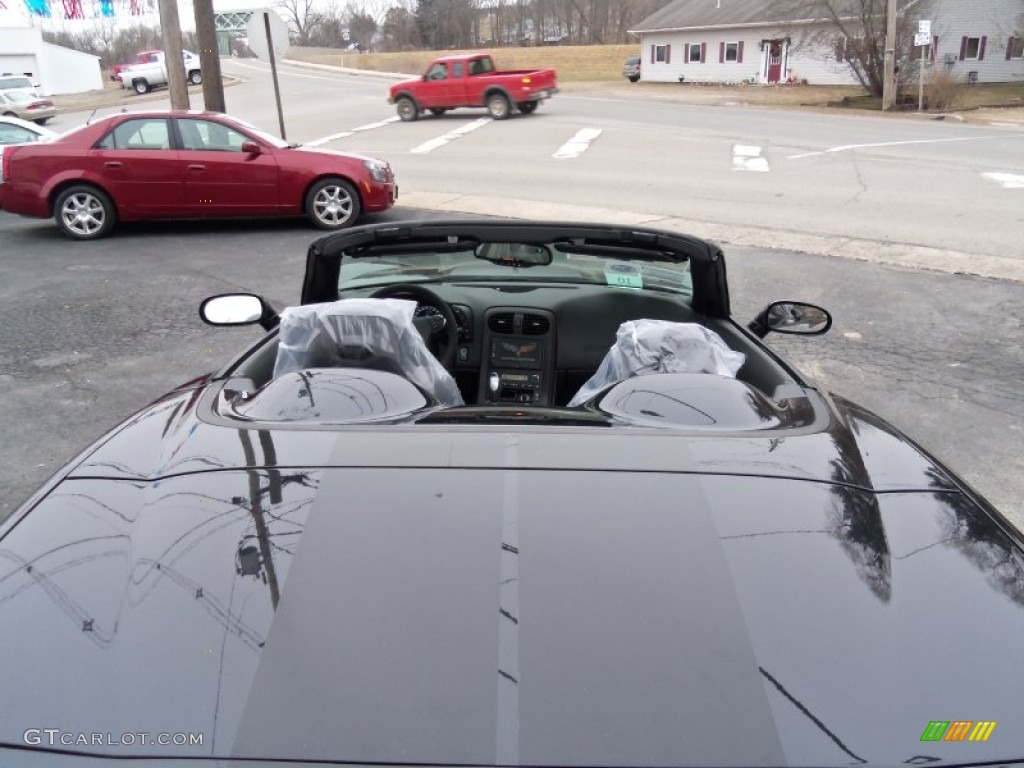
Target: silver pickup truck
143 78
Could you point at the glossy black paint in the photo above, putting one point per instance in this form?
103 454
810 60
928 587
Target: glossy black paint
801 586
324 594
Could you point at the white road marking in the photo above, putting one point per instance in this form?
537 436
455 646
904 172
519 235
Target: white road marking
578 144
1008 180
440 141
748 158
849 147
346 134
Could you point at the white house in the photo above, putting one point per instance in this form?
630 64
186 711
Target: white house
732 41
57 69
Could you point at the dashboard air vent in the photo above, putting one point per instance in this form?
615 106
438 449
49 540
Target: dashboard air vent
503 322
535 325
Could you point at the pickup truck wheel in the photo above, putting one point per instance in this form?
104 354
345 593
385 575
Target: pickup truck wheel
141 86
195 77
437 111
84 212
527 107
498 106
332 203
407 109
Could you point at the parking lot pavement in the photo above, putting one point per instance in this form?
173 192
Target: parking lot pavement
91 331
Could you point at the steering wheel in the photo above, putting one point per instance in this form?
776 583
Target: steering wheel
440 333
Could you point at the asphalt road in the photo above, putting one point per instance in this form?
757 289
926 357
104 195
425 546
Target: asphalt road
902 190
91 331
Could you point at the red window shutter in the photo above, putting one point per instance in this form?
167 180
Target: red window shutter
686 54
739 53
652 54
935 47
703 52
668 54
721 52
981 50
963 48
1009 48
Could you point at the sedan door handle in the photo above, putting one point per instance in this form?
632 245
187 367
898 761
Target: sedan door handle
196 167
112 164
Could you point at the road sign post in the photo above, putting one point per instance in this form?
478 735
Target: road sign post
922 39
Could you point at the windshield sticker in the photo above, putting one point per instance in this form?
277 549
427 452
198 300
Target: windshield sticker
958 730
623 275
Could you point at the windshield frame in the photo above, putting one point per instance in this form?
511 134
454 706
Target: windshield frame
710 293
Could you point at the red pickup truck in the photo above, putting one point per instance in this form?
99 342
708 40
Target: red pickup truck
471 80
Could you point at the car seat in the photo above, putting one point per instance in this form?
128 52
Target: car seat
362 333
660 346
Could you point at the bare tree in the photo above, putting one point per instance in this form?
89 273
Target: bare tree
301 16
855 31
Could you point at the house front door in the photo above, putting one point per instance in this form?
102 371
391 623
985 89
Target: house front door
774 48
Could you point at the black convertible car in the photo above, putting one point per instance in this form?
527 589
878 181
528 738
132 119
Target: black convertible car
509 494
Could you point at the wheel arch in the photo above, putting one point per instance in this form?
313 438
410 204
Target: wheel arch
332 175
498 89
61 185
407 95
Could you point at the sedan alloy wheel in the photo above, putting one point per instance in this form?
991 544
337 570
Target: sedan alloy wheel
332 204
84 212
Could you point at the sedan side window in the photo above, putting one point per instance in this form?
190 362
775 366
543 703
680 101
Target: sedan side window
15 134
145 133
209 135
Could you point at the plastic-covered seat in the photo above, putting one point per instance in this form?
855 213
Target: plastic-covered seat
660 346
362 333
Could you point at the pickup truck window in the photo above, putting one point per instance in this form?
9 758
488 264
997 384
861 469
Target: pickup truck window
210 136
151 133
437 72
457 69
480 67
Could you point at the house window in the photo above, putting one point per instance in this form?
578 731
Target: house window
730 53
695 53
972 48
661 54
1015 48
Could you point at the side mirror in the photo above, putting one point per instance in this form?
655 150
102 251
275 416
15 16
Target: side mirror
795 317
251 148
238 309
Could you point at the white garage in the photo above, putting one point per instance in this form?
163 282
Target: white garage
57 69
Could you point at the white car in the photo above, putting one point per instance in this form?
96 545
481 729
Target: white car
14 130
9 82
142 78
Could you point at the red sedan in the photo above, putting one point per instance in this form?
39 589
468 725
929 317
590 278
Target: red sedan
177 164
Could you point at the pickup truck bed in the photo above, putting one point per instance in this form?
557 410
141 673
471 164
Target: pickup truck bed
471 80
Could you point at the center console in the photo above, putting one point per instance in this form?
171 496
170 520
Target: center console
519 356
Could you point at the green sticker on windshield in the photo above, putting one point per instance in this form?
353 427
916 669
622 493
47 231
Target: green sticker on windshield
623 275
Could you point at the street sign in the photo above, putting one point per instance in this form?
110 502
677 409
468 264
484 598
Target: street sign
924 28
920 39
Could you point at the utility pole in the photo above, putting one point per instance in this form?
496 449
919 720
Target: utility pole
889 84
173 57
209 56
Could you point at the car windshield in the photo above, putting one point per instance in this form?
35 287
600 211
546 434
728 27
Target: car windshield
15 82
569 264
259 133
19 96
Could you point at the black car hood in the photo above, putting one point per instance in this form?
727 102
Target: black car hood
460 613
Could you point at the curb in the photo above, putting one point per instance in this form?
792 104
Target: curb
876 251
348 70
